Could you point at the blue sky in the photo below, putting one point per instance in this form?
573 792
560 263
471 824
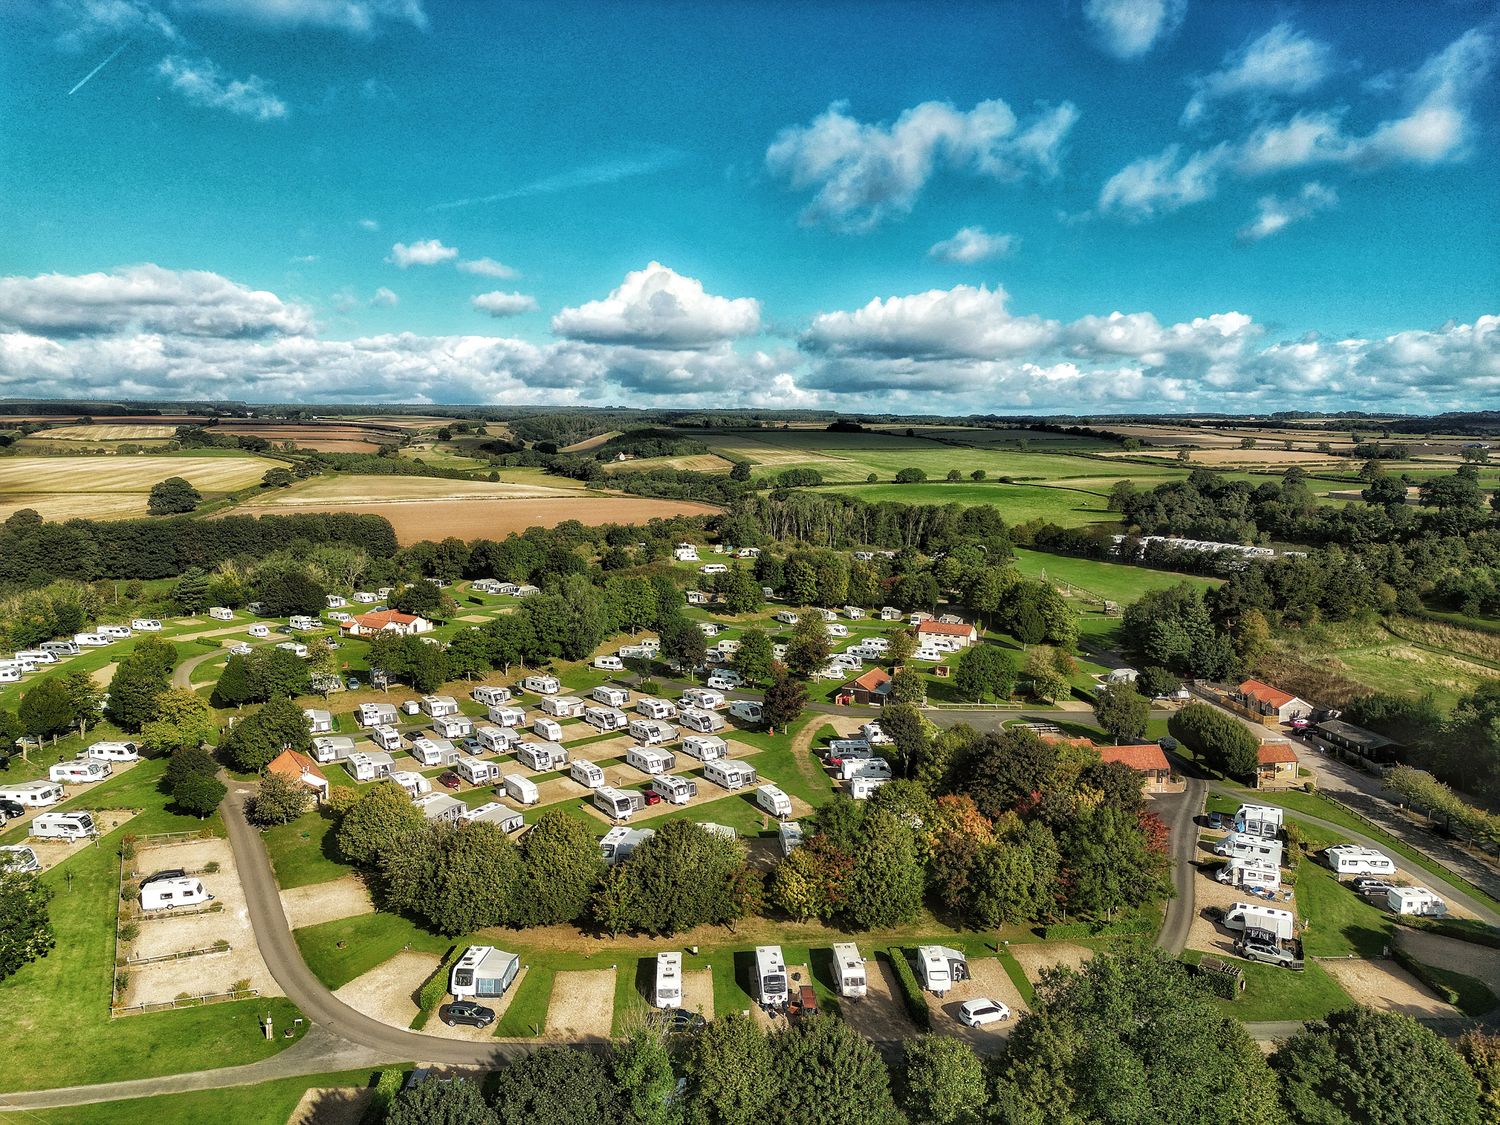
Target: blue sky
1072 205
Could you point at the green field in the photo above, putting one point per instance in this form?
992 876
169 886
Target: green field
1017 503
1115 581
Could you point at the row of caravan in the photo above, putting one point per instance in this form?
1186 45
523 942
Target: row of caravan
28 661
772 982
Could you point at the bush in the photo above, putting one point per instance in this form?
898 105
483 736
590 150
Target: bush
211 867
911 990
1065 931
387 1086
129 932
1222 741
1222 983
433 989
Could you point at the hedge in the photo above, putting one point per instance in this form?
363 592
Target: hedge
433 989
1129 926
1462 929
1423 974
387 1086
911 991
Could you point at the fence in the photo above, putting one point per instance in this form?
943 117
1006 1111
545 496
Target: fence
185 1002
201 951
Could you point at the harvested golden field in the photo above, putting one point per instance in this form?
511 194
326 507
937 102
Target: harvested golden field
396 489
126 474
58 506
591 443
696 462
104 431
323 438
1264 455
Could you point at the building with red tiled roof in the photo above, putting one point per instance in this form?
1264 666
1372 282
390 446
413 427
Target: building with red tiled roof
300 770
386 621
1266 701
872 688
962 632
1146 758
1276 765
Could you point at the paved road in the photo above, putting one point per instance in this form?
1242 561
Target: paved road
182 675
1181 810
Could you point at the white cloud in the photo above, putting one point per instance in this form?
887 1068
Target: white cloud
356 17
1163 183
962 321
1128 29
862 174
500 304
145 298
201 82
487 267
973 244
368 224
1282 61
658 307
384 299
424 252
1273 214
83 22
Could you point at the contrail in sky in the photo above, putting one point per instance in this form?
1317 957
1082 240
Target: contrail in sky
98 68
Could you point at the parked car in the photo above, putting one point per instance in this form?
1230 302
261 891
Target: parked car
9 810
676 1019
652 798
1220 820
352 683
450 780
466 1012
169 873
977 1013
1372 885
471 745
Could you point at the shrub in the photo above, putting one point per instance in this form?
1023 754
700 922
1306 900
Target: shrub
911 990
221 945
387 1086
211 867
433 989
122 982
242 985
129 932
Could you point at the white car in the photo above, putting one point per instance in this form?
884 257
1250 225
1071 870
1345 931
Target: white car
977 1013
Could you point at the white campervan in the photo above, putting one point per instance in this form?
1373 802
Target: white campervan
112 752
1352 859
586 773
168 894
770 977
33 794
668 990
80 771
1253 916
849 970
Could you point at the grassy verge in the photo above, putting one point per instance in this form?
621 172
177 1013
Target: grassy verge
303 851
527 1013
1276 994
1017 976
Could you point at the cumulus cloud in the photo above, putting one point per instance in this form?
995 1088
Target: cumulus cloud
1164 182
499 304
1128 29
384 299
355 17
1274 214
487 267
424 252
863 174
1282 61
145 298
201 82
973 244
958 322
657 307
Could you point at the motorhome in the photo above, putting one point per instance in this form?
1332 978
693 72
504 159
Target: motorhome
653 708
851 767
1352 859
496 740
64 826
550 729
33 794
1249 915
477 771
18 858
649 760
667 992
387 738
770 977
433 752
1253 847
1415 900
439 706
483 972
705 747
301 623
730 773
1258 820
520 789
849 970
605 718
674 790
747 710
586 773
840 749
542 685
168 894
112 752
79 771
618 843
940 968
492 696
562 706
369 767
863 788
704 722
60 648
774 801
618 804
332 747
1255 873
543 756
493 812
609 663
652 732
375 714
610 696
508 716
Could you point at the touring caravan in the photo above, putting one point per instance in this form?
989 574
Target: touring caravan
774 801
454 726
747 710
168 894
18 858
542 685
650 761
369 767
333 747
493 812
705 747
1258 820
476 771
790 835
611 696
80 771
704 722
849 970
586 773
483 972
387 738
318 720
492 696
605 719
1253 847
1249 915
653 708
618 843
562 706
851 767
508 716
550 729
618 804
941 968
433 752
520 789
543 756
33 794
674 790
652 732
60 649
64 826
862 788
770 977
730 773
112 752
1351 859
703 698
95 640
259 629
1415 900
414 783
667 992
438 706
609 663
496 740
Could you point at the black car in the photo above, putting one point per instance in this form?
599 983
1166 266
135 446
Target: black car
465 1011
169 873
677 1019
9 810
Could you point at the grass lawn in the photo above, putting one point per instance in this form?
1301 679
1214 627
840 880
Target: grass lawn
341 950
303 851
57 1009
1278 994
269 1103
1339 921
1017 503
527 1014
1115 582
1474 996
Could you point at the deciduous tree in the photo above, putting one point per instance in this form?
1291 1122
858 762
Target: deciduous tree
25 926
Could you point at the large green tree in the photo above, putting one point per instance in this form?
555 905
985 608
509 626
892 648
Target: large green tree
647 1084
945 1082
253 741
25 927
731 1071
984 669
1122 711
46 708
278 800
829 1073
556 1086
683 877
754 659
809 647
456 1101
383 816
172 497
560 865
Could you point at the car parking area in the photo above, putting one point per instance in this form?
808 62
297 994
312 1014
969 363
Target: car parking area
1386 987
582 1007
987 978
879 1014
